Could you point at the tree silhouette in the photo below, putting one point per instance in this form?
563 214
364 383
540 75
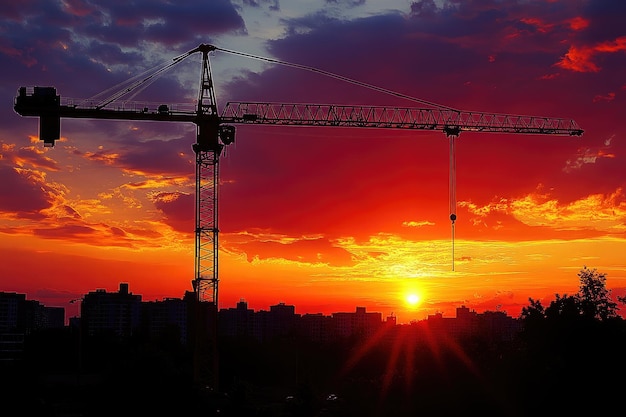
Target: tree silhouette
575 344
594 297
593 301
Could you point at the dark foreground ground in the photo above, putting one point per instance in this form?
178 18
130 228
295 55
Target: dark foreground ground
578 372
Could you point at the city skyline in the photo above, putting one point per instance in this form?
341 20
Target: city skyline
322 218
124 289
43 316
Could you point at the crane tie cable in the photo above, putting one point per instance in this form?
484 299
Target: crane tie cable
342 78
143 83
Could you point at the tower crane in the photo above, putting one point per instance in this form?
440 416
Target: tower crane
214 131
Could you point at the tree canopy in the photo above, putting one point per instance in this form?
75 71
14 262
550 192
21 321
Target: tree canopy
592 301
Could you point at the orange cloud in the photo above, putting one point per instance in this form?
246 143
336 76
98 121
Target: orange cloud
106 158
579 59
28 155
578 23
617 45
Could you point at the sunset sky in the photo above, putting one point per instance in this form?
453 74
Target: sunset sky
324 219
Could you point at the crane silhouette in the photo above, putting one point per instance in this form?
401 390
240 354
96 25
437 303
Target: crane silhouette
214 131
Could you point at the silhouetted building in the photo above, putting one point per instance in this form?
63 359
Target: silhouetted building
494 326
360 323
123 314
11 346
166 318
316 327
497 326
282 320
19 318
12 312
238 321
117 313
465 324
260 325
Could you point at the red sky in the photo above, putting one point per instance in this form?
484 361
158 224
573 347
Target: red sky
325 219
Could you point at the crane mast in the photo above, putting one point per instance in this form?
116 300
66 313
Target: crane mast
207 148
214 131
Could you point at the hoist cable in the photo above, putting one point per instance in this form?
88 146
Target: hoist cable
452 188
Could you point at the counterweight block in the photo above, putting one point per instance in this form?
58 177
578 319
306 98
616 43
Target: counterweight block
49 129
45 103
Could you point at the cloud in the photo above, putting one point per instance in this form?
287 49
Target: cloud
417 223
83 48
607 97
589 156
24 193
40 207
32 156
580 58
301 249
178 209
597 214
152 158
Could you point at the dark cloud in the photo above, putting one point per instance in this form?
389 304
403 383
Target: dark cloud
165 23
160 157
152 157
178 210
69 212
314 251
273 5
69 231
347 3
605 19
73 45
32 157
126 23
22 194
417 53
426 8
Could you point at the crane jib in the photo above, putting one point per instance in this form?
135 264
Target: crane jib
44 102
450 122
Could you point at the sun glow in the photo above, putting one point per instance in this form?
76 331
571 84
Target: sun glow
412 299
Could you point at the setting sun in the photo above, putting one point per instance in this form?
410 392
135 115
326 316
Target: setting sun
412 299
